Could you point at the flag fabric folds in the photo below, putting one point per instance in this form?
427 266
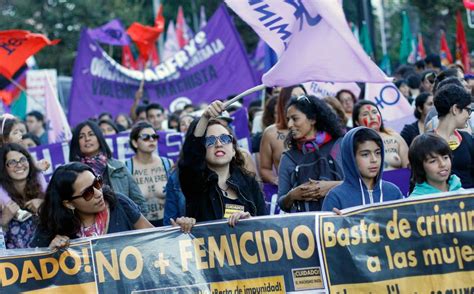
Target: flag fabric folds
462 52
171 44
18 46
406 42
183 31
420 48
111 33
364 40
145 37
444 52
312 40
58 127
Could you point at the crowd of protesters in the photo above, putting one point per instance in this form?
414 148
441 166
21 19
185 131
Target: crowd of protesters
322 153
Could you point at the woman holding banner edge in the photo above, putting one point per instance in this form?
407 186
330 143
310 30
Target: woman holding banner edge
212 174
79 205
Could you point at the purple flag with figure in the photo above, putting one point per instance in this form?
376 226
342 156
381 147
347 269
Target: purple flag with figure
312 40
212 65
112 33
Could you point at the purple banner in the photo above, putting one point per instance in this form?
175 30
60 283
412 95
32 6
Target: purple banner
169 144
399 177
271 199
212 65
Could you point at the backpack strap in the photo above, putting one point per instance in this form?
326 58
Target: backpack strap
129 165
166 165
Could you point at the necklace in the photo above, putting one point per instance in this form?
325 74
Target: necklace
224 191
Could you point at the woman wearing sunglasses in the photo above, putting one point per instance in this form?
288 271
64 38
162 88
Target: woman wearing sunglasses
453 104
310 168
212 174
78 205
88 146
22 189
149 170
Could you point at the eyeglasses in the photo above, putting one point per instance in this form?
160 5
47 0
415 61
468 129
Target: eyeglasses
224 139
13 163
89 192
148 137
468 109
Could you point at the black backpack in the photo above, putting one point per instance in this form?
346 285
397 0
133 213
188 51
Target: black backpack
318 165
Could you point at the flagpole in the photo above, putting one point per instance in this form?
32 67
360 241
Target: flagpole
244 93
382 28
16 84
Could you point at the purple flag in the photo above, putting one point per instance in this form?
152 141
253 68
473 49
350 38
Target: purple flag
312 40
395 109
212 65
112 33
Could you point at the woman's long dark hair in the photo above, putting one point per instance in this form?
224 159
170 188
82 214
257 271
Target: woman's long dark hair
318 110
75 153
32 188
54 217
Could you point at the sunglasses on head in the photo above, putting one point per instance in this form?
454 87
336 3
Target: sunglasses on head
302 98
89 192
431 77
224 139
148 137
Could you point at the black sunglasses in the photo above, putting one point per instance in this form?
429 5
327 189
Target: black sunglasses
148 137
89 192
224 139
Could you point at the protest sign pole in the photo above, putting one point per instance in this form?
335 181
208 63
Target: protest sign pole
244 93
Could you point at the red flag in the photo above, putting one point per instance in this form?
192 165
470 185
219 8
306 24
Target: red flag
181 25
128 60
420 50
469 4
16 46
6 97
146 36
444 52
462 52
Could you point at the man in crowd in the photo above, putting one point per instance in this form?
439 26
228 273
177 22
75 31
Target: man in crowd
155 114
35 124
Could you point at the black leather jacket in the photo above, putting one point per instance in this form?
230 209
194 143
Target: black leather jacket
200 185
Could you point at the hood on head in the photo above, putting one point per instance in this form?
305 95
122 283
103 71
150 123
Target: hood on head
351 172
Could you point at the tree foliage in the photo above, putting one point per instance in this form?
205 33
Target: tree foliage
64 19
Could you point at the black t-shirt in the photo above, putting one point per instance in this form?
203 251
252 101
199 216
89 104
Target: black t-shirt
463 161
232 205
